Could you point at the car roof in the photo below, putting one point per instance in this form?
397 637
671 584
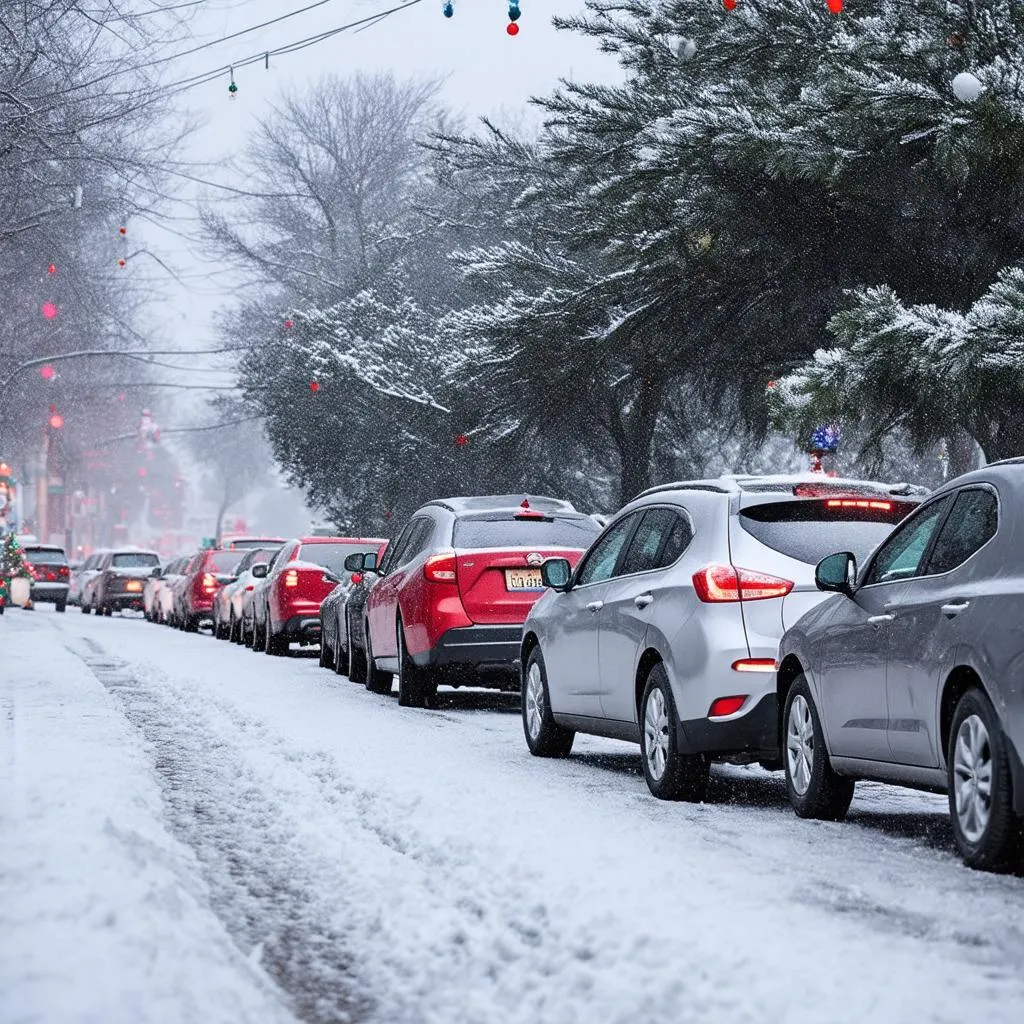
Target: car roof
340 540
42 547
798 484
502 503
131 550
1008 470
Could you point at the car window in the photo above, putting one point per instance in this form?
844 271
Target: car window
970 524
134 560
599 563
901 556
418 540
503 529
45 556
645 550
397 550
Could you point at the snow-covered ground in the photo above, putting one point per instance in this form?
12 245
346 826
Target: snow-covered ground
195 832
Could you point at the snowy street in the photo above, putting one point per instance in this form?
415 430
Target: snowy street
194 831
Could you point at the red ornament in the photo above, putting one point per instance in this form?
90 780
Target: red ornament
52 268
56 420
314 386
123 231
462 440
729 5
288 325
513 29
835 6
49 310
771 385
46 372
121 263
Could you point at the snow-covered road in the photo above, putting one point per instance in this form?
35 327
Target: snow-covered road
187 823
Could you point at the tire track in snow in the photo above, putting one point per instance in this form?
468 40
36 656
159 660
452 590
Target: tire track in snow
217 807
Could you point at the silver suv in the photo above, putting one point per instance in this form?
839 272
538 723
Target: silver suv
667 632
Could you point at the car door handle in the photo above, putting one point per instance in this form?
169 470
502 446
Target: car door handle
595 606
643 600
954 608
876 620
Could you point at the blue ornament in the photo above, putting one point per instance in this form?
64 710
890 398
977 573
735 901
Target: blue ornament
826 438
449 9
513 11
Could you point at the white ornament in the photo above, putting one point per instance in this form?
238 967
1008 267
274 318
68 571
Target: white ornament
686 50
966 87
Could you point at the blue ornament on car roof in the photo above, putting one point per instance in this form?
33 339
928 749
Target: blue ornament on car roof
826 438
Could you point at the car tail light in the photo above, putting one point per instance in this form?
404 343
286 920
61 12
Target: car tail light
291 578
716 583
726 706
881 506
441 568
209 583
754 665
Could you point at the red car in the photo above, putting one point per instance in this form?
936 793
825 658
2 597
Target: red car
455 589
208 571
286 604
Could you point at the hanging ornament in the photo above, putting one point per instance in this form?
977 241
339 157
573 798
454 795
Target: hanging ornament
121 262
514 13
771 385
729 5
288 325
966 87
314 386
462 440
825 439
448 9
47 372
49 310
52 268
232 88
512 28
122 231
835 6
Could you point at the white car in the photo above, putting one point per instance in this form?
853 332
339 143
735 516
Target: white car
83 574
227 604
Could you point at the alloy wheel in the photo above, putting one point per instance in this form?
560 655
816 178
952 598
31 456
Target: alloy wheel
534 700
972 778
656 734
800 744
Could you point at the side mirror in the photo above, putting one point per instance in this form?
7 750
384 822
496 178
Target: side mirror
259 571
837 573
225 579
354 563
156 573
556 573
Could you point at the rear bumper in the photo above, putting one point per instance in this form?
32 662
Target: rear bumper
480 647
121 601
753 732
302 629
49 592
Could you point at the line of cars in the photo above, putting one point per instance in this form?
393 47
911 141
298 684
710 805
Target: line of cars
835 629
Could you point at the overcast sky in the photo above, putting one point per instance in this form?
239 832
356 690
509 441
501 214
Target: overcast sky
487 72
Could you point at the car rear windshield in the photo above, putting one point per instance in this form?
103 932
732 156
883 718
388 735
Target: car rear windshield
332 556
507 531
225 561
134 560
44 556
809 530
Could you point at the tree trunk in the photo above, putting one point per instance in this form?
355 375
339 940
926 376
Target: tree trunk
633 434
962 451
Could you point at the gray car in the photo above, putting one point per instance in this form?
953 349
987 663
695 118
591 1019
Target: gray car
912 672
667 632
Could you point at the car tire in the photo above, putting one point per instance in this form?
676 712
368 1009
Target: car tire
356 656
341 659
670 774
376 680
60 606
544 736
986 830
274 645
412 680
85 609
326 654
814 788
107 611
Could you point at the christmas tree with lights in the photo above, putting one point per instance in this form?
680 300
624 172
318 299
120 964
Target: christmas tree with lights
12 566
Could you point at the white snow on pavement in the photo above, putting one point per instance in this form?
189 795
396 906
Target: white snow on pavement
104 917
409 866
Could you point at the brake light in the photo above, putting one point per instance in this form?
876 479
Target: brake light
209 582
726 706
754 665
62 571
882 506
718 583
441 568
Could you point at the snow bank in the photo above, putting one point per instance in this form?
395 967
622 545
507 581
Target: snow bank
103 915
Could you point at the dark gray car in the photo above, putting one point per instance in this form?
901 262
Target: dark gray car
913 672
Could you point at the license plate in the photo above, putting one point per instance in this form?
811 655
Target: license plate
523 579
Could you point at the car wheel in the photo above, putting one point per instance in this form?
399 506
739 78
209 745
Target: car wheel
412 681
85 608
274 645
326 654
356 656
815 790
376 680
670 774
341 659
987 832
544 736
60 606
107 611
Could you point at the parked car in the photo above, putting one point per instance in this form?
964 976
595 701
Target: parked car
82 575
151 593
910 672
286 605
455 588
170 590
342 607
667 632
51 575
227 605
158 589
119 582
207 572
